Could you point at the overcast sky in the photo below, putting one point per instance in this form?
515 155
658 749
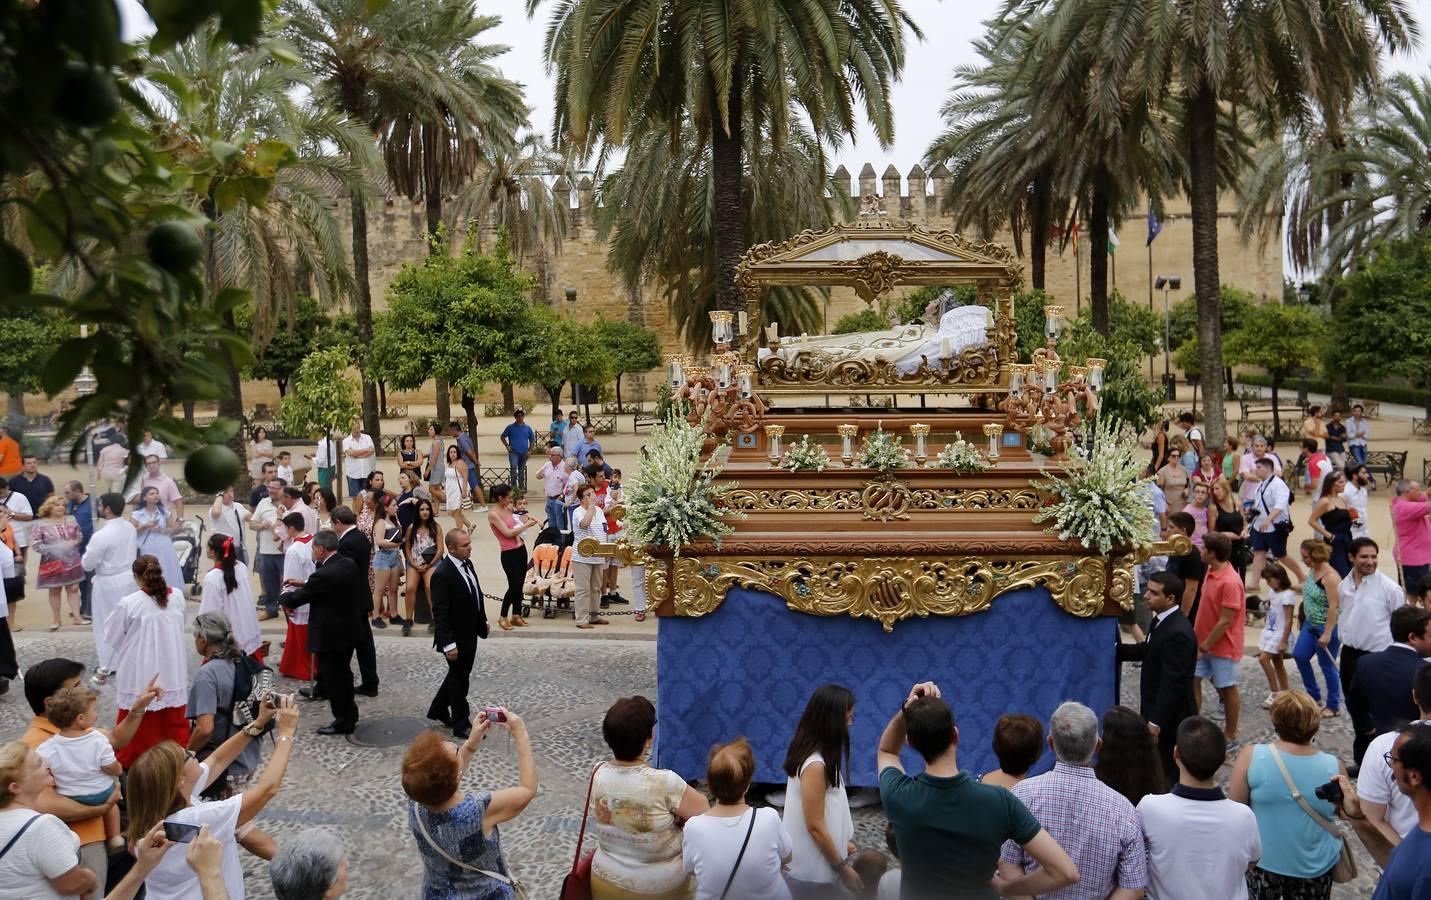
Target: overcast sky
949 27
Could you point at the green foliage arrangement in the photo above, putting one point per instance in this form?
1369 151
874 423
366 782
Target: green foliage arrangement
882 452
1100 498
674 500
865 320
806 456
961 456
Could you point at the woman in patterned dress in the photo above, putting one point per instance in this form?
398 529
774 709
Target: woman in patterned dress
58 543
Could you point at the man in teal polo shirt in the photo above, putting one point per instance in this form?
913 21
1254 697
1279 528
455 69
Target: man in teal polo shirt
949 827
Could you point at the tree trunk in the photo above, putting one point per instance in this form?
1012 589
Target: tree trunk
1276 419
444 404
554 393
469 406
1040 219
430 180
382 395
1202 171
363 312
282 387
1098 252
618 392
727 175
509 399
1341 396
189 411
15 414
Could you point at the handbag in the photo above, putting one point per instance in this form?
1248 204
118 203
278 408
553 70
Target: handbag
741 855
1345 869
577 883
518 890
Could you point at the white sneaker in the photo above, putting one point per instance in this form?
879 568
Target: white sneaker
1267 704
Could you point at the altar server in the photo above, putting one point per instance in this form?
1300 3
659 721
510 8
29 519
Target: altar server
298 565
151 649
109 558
226 590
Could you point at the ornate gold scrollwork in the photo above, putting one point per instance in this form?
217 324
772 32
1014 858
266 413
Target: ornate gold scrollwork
872 274
890 589
885 500
976 367
850 499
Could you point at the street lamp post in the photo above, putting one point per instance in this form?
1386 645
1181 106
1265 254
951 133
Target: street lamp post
85 385
571 310
1167 283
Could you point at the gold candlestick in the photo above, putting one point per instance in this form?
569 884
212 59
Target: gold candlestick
995 432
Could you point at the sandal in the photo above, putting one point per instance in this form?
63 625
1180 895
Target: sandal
55 626
1329 713
506 625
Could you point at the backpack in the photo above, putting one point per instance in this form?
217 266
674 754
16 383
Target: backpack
253 681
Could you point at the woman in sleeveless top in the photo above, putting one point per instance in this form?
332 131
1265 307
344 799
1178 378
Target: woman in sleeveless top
1332 519
1228 520
1320 602
454 486
408 458
507 525
436 469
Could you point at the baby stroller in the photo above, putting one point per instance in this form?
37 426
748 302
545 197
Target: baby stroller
545 584
188 546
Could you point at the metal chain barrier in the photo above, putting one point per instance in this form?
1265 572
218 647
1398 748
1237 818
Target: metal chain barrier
610 611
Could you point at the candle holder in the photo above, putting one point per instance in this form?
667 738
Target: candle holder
847 443
920 432
1095 372
721 330
772 335
1052 321
675 371
724 365
995 433
741 323
773 433
745 381
1016 379
1079 374
1048 370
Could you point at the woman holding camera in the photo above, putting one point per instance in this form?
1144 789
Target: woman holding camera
1298 853
456 830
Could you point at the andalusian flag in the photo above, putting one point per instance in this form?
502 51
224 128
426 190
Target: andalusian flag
1112 240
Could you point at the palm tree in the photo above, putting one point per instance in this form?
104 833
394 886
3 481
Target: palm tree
211 93
376 62
718 67
514 190
1277 61
659 218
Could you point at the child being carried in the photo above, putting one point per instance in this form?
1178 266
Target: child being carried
81 758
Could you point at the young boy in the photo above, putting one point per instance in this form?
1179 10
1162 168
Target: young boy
285 466
81 758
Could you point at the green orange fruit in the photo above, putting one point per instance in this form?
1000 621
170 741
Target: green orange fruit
88 96
212 468
174 246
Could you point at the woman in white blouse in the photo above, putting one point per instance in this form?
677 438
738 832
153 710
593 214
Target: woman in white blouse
148 638
227 590
260 451
42 854
817 809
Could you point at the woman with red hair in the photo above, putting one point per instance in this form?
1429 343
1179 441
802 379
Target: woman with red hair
146 632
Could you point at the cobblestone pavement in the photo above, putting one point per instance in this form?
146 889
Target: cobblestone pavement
563 693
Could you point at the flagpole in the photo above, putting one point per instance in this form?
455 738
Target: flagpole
1077 276
1150 293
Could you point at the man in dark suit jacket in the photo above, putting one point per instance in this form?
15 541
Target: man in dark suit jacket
1169 656
1383 679
332 629
355 545
458 620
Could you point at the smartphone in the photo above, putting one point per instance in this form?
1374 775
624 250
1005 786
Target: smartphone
179 832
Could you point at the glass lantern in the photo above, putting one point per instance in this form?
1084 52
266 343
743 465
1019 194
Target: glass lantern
741 323
773 434
745 381
724 365
721 330
920 432
847 442
1016 380
1079 374
995 433
1095 372
676 371
1048 368
1052 322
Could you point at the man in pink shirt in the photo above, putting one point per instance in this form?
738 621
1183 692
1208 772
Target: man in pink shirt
1221 619
1247 467
553 477
168 491
1411 517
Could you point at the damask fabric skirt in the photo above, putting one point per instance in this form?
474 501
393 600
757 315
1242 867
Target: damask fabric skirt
158 726
297 662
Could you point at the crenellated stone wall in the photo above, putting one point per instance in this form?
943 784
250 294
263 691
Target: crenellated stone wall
396 237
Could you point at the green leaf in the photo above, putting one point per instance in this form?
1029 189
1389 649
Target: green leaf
377 6
273 154
64 365
230 299
225 152
15 274
227 195
221 431
242 20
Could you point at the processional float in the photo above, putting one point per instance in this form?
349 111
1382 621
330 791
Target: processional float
877 578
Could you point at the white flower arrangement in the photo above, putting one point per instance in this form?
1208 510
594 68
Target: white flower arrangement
674 500
1101 497
882 452
806 456
961 456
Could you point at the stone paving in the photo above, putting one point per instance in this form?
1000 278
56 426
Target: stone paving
562 692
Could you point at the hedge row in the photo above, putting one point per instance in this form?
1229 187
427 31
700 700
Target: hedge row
1359 391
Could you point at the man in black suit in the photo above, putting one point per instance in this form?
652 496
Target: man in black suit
1169 656
332 627
458 619
355 545
1383 679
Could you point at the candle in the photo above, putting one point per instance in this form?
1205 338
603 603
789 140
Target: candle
944 349
1095 372
920 432
847 442
741 324
675 371
773 433
772 333
994 431
1016 380
744 378
1053 321
720 326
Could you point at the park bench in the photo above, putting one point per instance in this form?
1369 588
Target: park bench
1389 464
642 420
1263 408
1426 472
603 424
1421 427
1289 437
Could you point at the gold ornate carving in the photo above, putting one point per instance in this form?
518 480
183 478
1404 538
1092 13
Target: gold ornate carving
976 367
872 274
885 500
850 499
890 589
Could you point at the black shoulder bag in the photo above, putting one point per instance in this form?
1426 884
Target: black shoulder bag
741 855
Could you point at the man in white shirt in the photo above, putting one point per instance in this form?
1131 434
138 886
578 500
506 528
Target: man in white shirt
1200 843
1368 598
1188 424
1355 494
266 522
151 447
359 459
1247 467
1388 809
230 518
110 558
21 515
324 459
1358 432
1271 523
